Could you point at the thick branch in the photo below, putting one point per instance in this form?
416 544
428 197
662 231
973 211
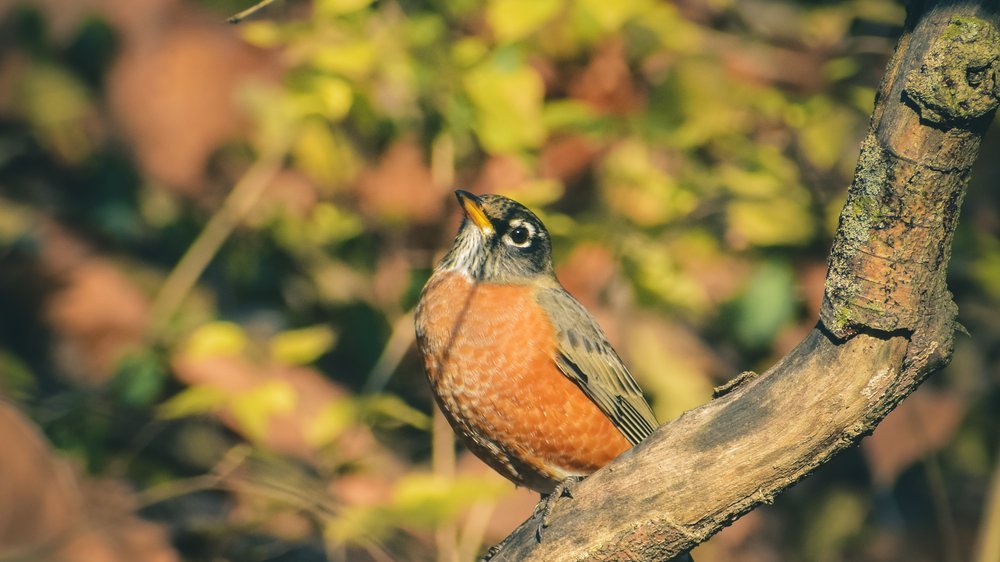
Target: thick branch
886 323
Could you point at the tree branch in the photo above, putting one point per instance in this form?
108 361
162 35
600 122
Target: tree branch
886 322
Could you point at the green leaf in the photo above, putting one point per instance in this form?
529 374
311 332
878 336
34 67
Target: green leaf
837 519
16 379
140 378
766 305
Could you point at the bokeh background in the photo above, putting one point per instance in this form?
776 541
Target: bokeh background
212 238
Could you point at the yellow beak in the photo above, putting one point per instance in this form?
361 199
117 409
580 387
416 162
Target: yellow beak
474 210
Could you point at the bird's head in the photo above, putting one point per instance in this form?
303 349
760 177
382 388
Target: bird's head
499 241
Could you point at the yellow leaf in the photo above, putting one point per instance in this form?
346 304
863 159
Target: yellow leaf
657 272
264 34
676 380
355 523
425 498
836 520
468 51
253 409
635 187
828 132
610 16
302 346
674 32
508 107
753 222
393 407
215 339
193 401
354 60
321 154
57 106
512 20
335 96
331 423
333 224
535 193
338 7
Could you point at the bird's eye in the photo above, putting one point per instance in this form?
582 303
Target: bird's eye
519 236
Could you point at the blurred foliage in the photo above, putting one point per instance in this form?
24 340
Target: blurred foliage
690 159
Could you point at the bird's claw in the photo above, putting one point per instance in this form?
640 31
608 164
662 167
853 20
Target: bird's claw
563 489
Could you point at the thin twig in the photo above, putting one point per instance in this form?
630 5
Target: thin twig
470 541
249 12
988 540
236 206
233 459
443 463
392 354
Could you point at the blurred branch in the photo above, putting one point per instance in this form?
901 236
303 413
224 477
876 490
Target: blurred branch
988 541
229 463
399 342
236 206
886 323
470 540
443 463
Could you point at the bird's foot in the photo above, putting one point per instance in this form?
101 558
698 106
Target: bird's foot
563 489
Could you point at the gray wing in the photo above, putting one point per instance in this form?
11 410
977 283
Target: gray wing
586 357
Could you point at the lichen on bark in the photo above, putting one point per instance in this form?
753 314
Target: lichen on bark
959 80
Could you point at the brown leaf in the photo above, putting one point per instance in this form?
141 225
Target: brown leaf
922 424
501 173
567 158
746 540
391 279
50 514
99 315
606 83
287 432
174 93
290 193
586 272
400 188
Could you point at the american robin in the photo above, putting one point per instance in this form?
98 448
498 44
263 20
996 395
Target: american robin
520 369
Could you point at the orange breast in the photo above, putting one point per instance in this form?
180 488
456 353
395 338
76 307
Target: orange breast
489 354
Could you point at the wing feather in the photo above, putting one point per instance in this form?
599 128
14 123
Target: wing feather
586 357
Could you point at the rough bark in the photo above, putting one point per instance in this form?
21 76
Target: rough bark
886 323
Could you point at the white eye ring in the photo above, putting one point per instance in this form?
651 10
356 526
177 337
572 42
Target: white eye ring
514 226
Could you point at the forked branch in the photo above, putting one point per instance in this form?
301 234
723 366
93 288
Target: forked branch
886 323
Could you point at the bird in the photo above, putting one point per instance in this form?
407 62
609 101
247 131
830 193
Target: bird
521 370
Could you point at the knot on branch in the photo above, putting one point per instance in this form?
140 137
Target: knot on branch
958 80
